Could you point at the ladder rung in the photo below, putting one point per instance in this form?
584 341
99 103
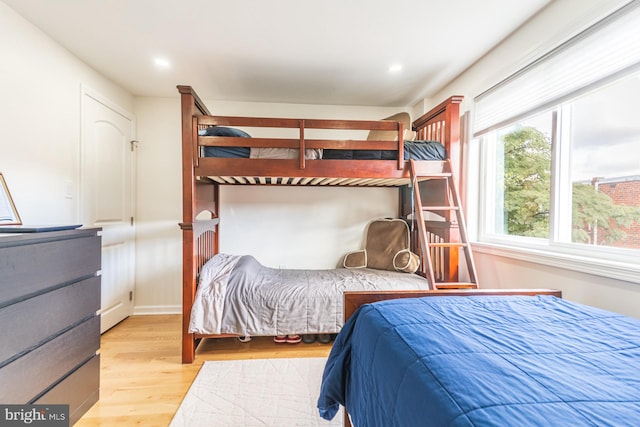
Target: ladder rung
438 224
448 245
440 208
456 285
434 176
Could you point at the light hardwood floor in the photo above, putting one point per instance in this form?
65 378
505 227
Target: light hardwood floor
142 379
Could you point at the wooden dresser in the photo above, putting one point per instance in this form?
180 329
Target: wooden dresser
49 326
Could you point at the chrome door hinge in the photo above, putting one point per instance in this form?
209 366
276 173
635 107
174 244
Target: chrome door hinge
134 144
131 221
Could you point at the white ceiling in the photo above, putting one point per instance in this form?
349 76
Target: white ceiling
316 52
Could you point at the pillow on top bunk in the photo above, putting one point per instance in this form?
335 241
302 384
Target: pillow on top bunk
390 135
383 135
387 247
223 131
375 135
225 151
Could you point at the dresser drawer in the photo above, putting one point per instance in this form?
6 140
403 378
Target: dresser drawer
27 323
26 377
31 267
80 390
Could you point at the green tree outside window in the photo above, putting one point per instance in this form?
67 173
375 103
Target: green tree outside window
527 190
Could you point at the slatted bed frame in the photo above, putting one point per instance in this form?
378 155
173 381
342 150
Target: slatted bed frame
202 176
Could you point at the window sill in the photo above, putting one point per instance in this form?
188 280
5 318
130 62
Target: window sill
626 271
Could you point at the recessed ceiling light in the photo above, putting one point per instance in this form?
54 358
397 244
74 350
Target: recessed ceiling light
395 68
162 63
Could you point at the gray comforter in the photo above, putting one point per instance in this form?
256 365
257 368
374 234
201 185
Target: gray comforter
238 295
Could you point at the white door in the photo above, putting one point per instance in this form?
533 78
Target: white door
107 188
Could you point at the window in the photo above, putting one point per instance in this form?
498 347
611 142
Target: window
597 178
521 154
561 150
604 138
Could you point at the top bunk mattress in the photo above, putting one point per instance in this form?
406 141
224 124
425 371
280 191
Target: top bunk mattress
417 150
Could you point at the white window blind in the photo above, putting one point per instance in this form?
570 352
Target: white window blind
604 51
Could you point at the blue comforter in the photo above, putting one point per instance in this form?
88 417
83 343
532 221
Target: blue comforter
485 361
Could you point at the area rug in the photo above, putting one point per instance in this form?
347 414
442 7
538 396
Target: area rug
256 392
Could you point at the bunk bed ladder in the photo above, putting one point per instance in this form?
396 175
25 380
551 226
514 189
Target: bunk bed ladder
442 239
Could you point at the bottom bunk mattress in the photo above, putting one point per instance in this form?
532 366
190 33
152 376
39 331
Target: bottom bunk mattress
238 295
484 361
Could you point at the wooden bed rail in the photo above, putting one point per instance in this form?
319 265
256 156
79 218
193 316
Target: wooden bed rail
354 299
301 143
275 122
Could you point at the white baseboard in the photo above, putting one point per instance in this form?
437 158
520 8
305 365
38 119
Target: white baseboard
156 309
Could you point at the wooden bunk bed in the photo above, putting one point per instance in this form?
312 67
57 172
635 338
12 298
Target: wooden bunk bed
202 177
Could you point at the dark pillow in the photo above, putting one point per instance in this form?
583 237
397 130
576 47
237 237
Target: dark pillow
224 131
225 151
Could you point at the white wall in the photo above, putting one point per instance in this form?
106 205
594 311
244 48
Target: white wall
559 21
40 120
299 227
158 206
610 294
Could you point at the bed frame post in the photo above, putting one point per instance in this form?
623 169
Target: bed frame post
452 139
191 106
188 198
